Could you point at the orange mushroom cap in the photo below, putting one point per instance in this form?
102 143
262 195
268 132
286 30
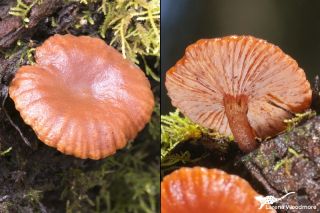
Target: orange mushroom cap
226 84
82 97
208 190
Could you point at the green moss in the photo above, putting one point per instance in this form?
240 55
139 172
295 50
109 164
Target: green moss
262 161
28 54
127 182
149 70
5 152
136 26
4 207
25 50
9 53
168 163
274 154
248 157
293 122
154 123
22 10
33 197
287 161
299 117
53 23
175 129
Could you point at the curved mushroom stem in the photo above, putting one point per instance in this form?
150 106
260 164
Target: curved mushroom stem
236 111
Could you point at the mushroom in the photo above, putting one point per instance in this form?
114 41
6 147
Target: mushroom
82 97
208 190
227 84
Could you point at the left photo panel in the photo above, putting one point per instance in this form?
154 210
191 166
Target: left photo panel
80 106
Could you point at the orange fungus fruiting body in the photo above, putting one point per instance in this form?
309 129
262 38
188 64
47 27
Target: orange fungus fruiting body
82 97
225 84
198 189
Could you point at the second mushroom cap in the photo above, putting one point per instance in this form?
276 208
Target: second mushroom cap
226 84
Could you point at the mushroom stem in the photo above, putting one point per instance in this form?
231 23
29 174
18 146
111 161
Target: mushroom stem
236 111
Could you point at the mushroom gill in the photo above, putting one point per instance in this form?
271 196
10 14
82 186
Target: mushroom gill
82 97
225 84
208 190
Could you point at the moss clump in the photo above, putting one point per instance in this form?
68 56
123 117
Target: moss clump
22 10
176 129
287 161
136 26
169 162
154 124
4 152
127 182
298 119
25 51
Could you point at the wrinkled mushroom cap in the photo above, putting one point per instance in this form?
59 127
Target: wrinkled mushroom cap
204 190
82 97
238 66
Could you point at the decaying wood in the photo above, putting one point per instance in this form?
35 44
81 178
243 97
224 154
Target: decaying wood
299 174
